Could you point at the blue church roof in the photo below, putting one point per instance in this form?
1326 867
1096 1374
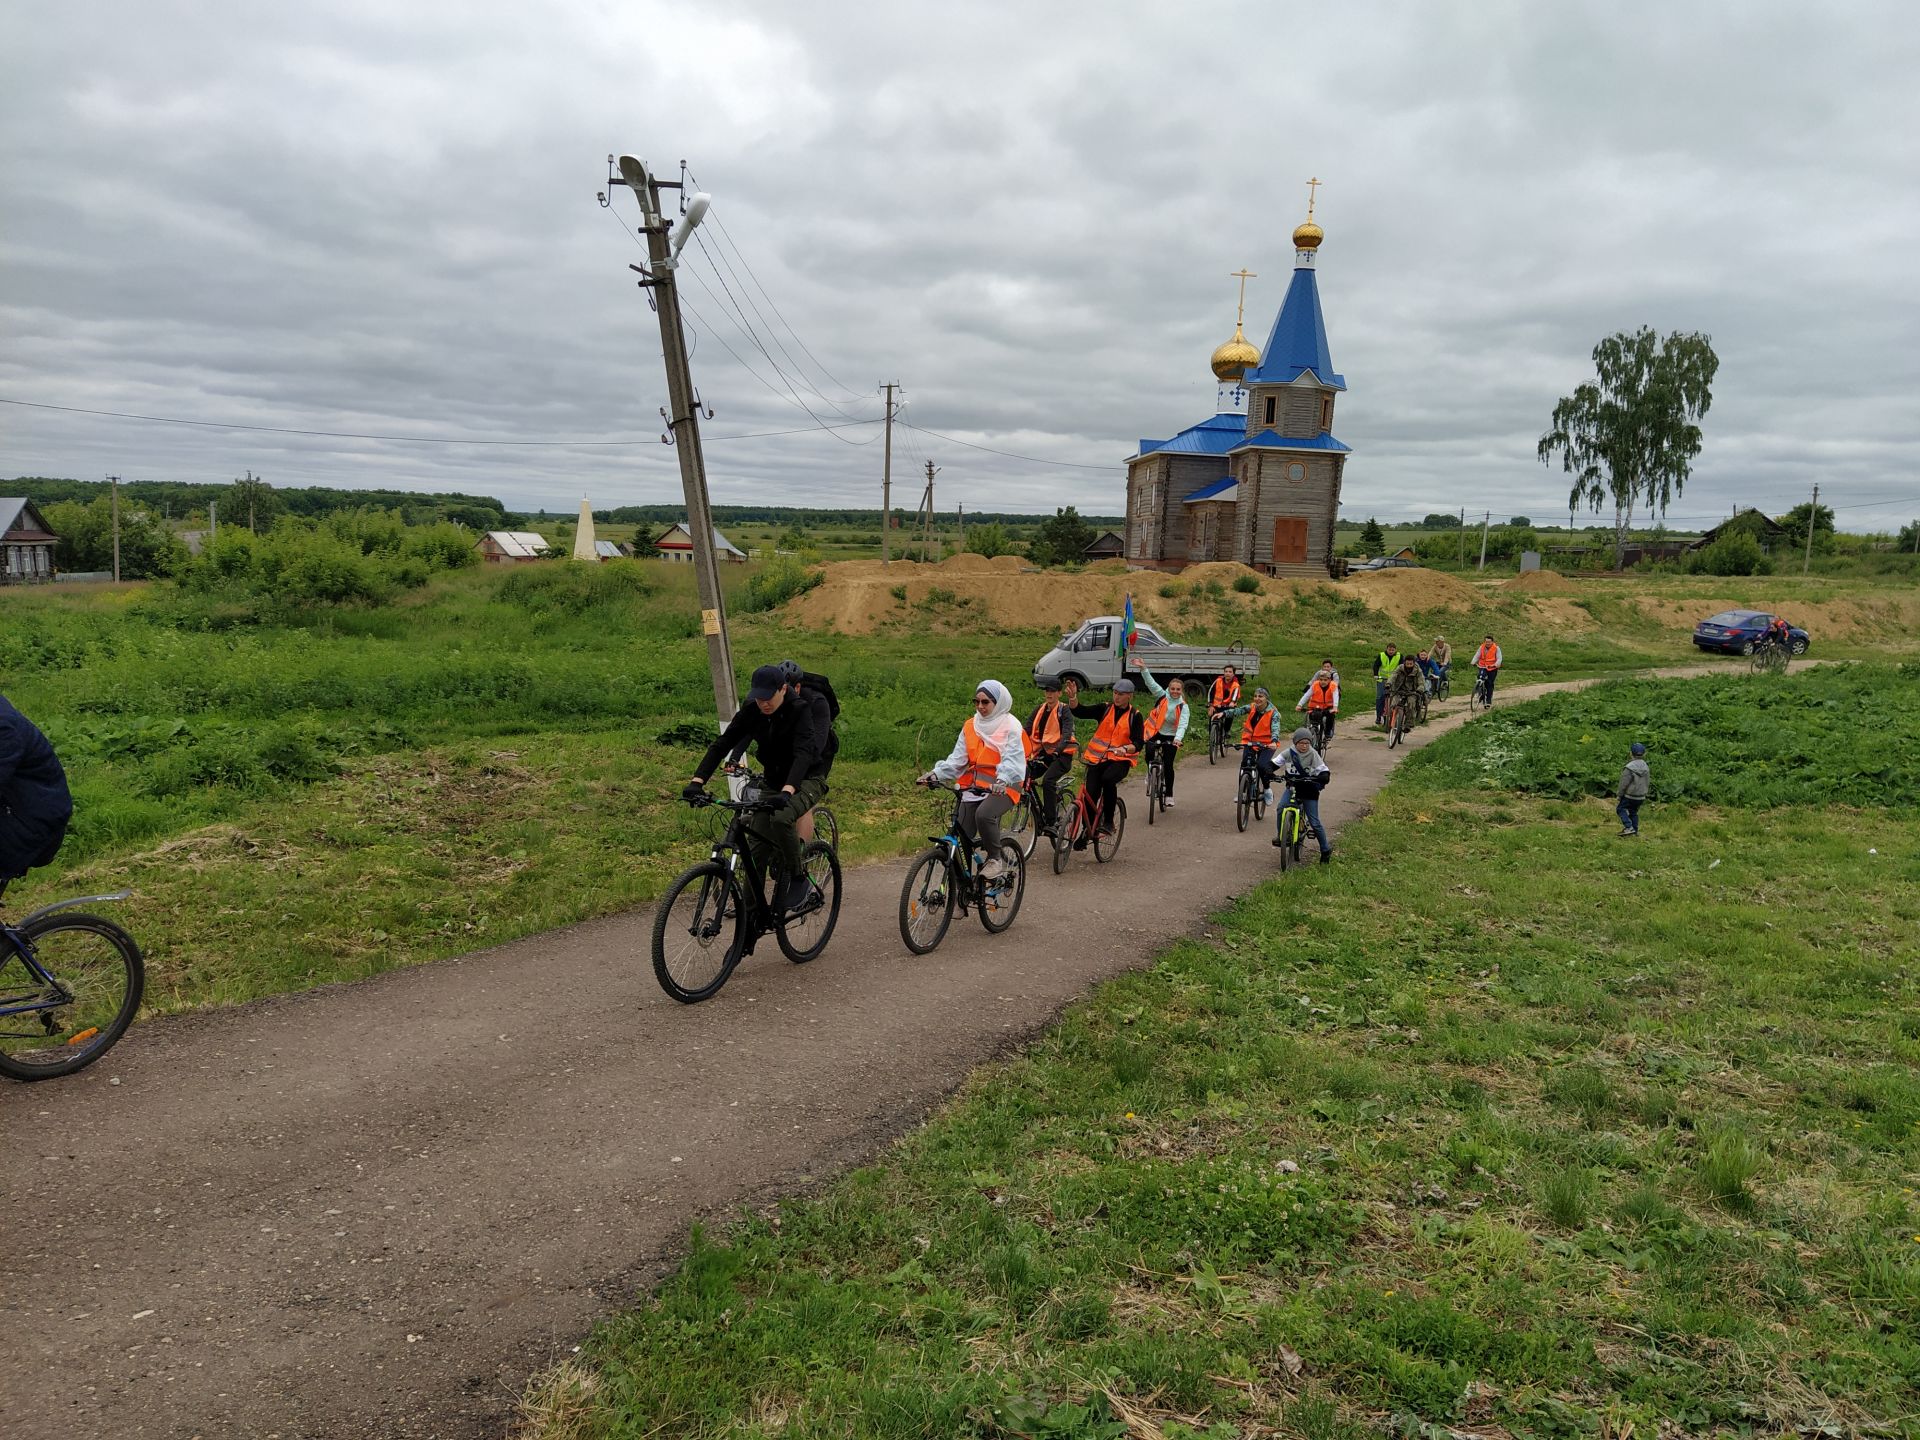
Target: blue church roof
1299 339
1215 435
1274 440
1213 490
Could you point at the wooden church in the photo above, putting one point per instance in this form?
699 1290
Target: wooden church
1259 481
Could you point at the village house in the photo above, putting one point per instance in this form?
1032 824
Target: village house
26 544
510 547
1258 481
677 544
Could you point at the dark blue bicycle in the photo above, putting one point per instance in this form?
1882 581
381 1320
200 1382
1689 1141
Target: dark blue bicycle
69 987
944 880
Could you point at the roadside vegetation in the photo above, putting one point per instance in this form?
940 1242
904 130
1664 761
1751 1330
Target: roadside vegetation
1500 1127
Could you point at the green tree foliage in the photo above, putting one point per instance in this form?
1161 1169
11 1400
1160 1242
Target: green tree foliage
1731 553
1909 536
1630 434
253 503
1794 522
148 549
175 500
777 582
989 540
1520 522
351 557
1063 540
1373 539
1437 521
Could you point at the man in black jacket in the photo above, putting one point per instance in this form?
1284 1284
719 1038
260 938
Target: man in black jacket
34 803
791 729
1111 754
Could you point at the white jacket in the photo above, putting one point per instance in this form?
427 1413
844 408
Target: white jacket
1001 732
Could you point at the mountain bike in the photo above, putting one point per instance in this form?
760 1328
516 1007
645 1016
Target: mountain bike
1218 724
1157 764
716 912
1294 832
1482 697
1443 683
826 825
1085 823
1769 657
1250 795
1021 824
944 881
1397 722
69 986
1321 723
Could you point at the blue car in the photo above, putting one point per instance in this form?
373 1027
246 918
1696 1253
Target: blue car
1735 632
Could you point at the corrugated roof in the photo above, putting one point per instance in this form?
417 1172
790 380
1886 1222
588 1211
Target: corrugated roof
720 542
607 549
1274 440
1225 488
1213 436
522 544
1298 344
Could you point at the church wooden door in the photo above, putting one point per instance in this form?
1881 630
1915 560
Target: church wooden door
1290 540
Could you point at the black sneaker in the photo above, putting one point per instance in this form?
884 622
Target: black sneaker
1326 857
799 892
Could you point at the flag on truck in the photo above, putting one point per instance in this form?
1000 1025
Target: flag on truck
1126 634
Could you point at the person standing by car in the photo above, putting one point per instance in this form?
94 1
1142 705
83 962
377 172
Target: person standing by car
1050 734
1384 664
1488 660
1636 783
792 731
35 804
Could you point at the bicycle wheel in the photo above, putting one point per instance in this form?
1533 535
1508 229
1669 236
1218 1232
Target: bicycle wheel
1000 899
98 967
1153 790
1259 799
1396 726
697 933
1106 846
1216 745
826 828
1019 827
1477 701
1289 829
1243 801
804 934
926 909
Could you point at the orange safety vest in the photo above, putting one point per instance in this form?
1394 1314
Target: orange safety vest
1258 729
983 761
1487 657
1116 729
1223 693
1051 725
1159 714
1320 695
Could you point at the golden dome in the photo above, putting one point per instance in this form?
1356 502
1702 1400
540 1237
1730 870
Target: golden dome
1307 235
1235 358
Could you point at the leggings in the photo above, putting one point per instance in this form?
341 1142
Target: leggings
980 819
1163 746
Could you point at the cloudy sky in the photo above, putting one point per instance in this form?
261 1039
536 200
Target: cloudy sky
356 216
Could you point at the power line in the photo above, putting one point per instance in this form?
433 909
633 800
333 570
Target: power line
1011 455
391 439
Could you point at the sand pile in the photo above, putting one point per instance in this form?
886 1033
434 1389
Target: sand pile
1892 613
1542 582
1400 593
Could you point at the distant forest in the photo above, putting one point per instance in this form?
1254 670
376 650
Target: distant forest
175 500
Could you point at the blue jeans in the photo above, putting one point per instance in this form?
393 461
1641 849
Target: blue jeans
1309 802
1629 813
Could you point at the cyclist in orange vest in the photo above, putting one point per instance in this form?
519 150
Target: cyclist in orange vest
1322 695
988 763
1487 660
1111 754
1053 747
1167 725
1224 693
1260 738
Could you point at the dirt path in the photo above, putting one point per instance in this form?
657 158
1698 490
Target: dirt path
374 1210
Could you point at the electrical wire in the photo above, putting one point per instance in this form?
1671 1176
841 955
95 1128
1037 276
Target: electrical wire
1011 455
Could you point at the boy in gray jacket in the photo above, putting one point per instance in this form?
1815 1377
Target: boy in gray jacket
1635 782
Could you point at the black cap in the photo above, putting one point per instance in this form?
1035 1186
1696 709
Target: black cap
768 681
1049 683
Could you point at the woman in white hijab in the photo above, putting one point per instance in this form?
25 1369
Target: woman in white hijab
988 764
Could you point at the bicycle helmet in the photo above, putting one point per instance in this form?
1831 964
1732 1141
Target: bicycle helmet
790 672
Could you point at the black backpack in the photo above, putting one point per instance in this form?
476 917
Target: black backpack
822 687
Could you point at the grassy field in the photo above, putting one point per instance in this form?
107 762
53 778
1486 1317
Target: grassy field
1500 1127
497 753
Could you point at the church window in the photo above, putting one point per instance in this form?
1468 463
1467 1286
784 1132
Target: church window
1296 471
1273 403
1326 412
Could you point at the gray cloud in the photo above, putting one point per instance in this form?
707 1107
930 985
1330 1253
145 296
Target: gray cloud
362 217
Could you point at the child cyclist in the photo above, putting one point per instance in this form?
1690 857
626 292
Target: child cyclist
1306 775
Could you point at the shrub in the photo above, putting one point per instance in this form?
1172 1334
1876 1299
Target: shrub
1247 584
1172 590
570 589
990 540
1736 554
779 580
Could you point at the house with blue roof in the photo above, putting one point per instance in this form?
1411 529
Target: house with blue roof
1259 480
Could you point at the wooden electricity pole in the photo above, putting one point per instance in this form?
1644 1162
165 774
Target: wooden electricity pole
1813 518
886 477
1463 535
1485 524
926 544
683 422
115 480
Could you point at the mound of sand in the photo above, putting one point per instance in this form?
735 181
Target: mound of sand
1401 593
1890 614
1542 582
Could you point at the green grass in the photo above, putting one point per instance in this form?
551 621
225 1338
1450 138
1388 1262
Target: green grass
1499 1126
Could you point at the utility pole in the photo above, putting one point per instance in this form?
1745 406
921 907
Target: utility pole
683 423
1813 518
115 480
886 476
926 549
1463 536
213 523
963 527
1484 524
